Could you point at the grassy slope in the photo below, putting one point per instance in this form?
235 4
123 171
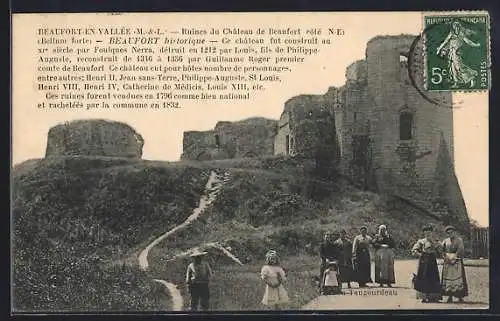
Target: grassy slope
71 215
269 203
262 209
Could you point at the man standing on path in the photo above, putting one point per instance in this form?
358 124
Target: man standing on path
197 278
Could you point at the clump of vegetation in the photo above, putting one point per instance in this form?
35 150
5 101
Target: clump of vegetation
262 198
70 216
57 279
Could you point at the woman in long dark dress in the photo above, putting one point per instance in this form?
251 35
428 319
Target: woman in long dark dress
345 258
328 250
384 257
361 257
426 282
453 282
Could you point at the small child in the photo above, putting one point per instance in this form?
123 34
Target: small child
273 275
331 284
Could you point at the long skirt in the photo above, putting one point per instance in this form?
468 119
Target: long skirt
384 266
362 267
346 273
426 281
454 282
275 296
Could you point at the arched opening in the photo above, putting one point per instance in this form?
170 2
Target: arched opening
217 140
405 125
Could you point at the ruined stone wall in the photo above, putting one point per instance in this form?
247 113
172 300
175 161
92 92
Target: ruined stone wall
446 189
94 138
202 145
410 162
283 135
249 138
309 123
252 137
355 119
356 72
342 130
367 116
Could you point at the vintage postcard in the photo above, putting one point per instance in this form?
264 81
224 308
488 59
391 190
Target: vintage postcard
168 162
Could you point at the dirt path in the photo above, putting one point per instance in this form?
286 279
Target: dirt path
211 191
401 296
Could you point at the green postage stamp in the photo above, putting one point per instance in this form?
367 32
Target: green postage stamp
457 51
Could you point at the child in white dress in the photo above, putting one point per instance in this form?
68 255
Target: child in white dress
273 275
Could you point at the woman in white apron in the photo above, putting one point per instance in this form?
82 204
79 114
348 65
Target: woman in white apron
453 280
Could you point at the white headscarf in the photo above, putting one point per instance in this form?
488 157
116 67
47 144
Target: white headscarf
383 227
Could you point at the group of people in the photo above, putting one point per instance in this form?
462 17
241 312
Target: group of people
354 261
427 282
354 265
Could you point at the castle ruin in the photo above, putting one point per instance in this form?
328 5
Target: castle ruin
391 139
95 137
253 137
377 129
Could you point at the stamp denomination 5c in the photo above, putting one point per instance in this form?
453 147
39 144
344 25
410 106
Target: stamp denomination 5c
457 51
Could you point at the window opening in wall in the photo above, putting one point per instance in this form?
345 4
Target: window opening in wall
287 144
405 126
355 116
217 141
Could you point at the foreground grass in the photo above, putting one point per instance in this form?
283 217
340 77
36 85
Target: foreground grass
239 288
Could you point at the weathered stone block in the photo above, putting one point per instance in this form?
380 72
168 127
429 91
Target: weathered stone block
253 137
94 137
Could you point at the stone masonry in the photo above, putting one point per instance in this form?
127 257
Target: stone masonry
94 137
253 137
376 129
391 139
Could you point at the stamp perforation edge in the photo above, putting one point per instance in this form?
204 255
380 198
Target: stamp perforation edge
425 14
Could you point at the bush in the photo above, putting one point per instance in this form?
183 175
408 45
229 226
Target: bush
57 280
260 199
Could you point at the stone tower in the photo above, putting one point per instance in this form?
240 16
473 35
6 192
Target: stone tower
405 128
